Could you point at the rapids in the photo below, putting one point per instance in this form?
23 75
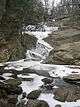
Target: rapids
33 61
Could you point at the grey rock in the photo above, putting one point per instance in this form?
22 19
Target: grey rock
58 105
47 80
73 78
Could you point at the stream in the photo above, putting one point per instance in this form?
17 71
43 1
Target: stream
33 61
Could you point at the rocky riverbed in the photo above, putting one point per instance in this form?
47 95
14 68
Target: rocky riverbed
40 85
30 83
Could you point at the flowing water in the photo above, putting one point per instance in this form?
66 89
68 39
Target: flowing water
33 61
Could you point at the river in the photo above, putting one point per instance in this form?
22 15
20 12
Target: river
34 61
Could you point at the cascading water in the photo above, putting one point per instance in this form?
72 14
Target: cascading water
33 61
42 48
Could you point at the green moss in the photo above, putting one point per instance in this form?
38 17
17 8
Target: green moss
13 82
34 94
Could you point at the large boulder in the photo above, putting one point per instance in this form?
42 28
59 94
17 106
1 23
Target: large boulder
66 45
11 86
11 50
61 94
67 93
73 78
15 47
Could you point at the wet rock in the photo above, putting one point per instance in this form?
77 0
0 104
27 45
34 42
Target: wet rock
47 80
14 90
68 93
73 78
2 70
10 88
27 70
13 82
18 90
23 95
2 78
34 94
14 76
37 103
61 94
43 73
74 72
58 105
49 86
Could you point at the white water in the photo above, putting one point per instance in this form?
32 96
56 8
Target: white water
34 58
32 85
52 102
42 48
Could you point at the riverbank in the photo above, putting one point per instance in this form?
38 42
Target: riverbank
15 48
66 44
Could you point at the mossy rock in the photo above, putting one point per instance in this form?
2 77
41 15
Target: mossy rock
34 94
13 82
11 87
